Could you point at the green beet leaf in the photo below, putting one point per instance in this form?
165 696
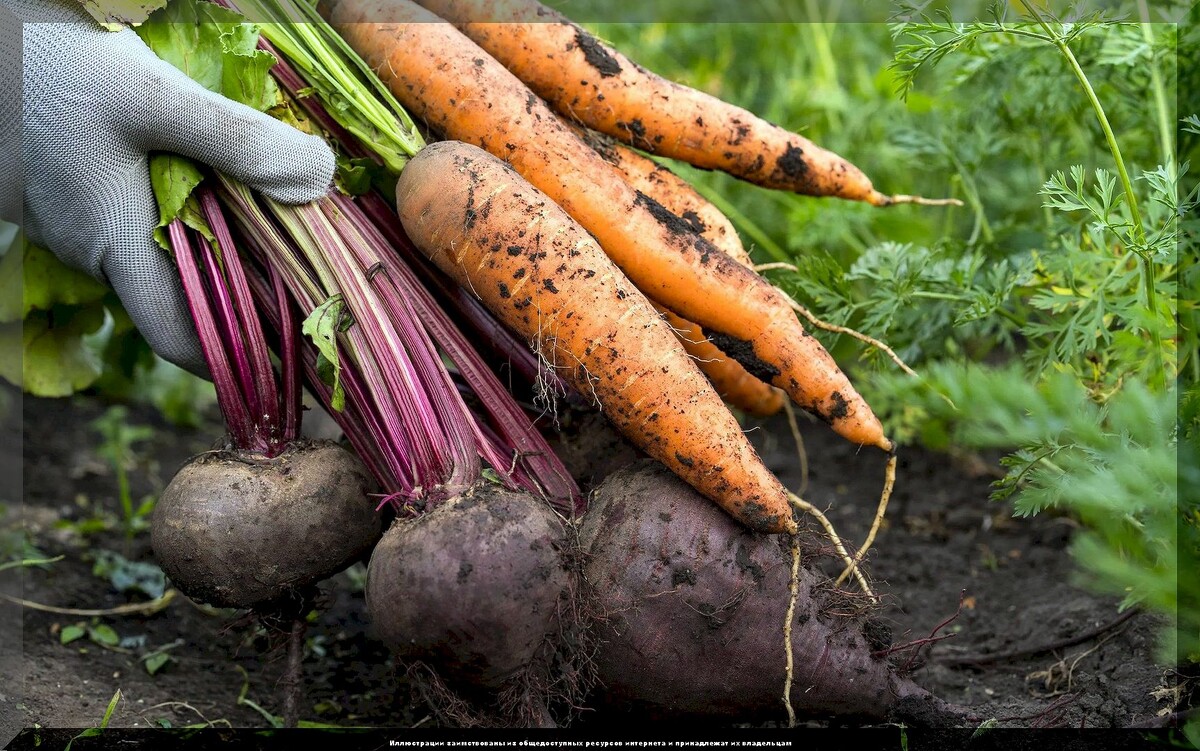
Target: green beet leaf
33 279
156 662
214 46
71 633
173 178
55 359
322 326
104 635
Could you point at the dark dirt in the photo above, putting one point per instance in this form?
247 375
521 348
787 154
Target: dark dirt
943 538
596 55
743 351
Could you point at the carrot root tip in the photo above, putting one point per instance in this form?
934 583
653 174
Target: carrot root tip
881 199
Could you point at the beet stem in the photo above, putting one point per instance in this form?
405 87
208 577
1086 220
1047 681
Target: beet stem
399 332
289 362
229 397
399 382
520 443
261 372
454 419
362 430
227 322
519 440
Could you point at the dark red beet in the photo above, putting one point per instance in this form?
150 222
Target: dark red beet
238 530
472 588
693 609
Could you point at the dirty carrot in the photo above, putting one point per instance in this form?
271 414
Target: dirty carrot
590 82
545 277
669 189
461 92
735 385
732 382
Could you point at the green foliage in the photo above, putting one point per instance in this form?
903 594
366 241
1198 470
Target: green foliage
180 397
962 296
16 549
213 46
126 576
62 332
42 284
92 732
117 439
353 95
155 662
48 315
1090 414
322 327
54 357
1115 466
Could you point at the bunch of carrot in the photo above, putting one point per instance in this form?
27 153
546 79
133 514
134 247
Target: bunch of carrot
627 283
616 271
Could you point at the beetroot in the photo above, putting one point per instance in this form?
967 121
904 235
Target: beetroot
238 529
472 592
693 608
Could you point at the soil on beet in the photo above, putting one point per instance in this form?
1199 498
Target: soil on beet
944 544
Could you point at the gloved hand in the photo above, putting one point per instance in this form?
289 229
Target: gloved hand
95 102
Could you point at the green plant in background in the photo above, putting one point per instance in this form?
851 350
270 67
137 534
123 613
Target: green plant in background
142 578
48 313
117 439
92 732
1092 412
1115 466
62 332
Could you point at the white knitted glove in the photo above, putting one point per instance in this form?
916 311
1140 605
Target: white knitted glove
94 103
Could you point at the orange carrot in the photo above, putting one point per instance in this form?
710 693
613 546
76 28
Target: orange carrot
672 191
733 383
590 82
442 77
546 278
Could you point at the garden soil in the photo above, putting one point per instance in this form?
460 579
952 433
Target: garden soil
1023 644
